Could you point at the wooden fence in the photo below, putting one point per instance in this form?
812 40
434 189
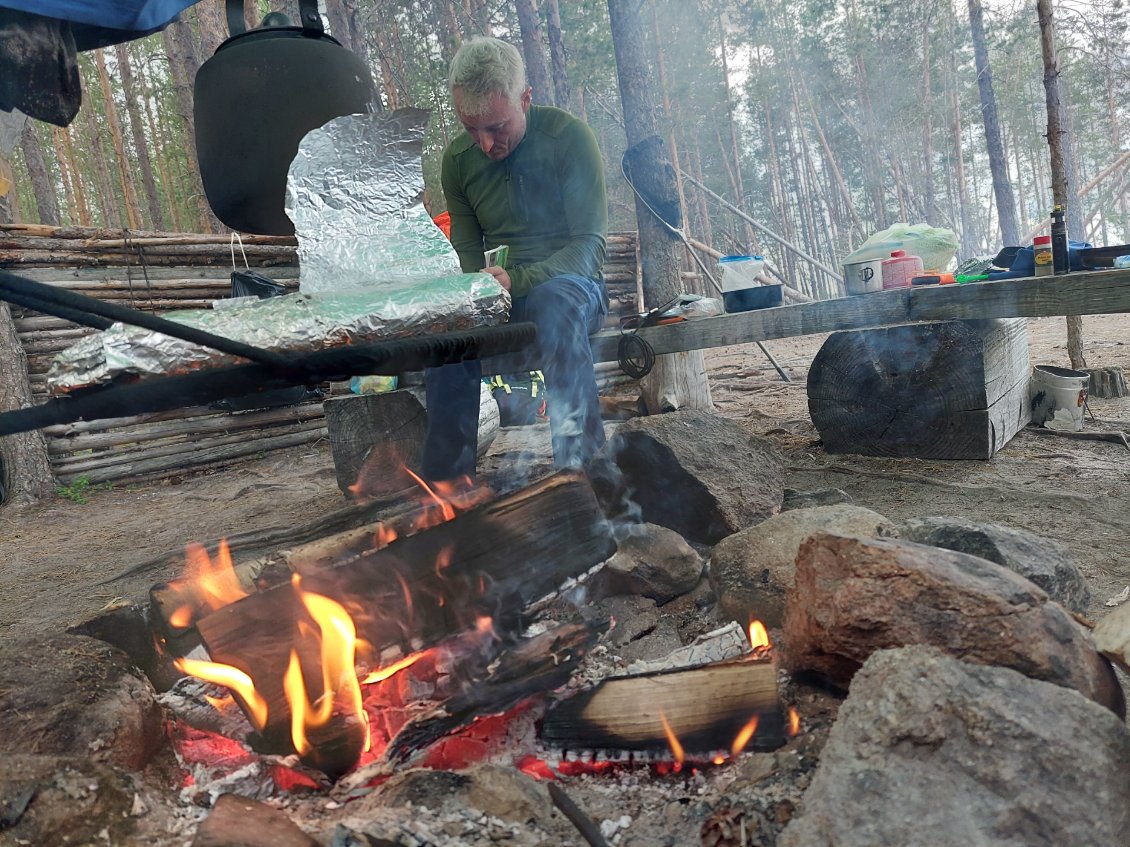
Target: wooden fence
191 439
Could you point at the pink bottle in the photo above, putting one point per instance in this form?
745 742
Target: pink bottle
899 269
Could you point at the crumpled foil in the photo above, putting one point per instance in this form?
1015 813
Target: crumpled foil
295 322
373 266
354 193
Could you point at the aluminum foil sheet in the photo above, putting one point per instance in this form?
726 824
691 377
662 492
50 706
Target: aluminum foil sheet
354 193
295 322
373 266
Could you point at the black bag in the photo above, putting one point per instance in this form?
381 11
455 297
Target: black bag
251 283
520 397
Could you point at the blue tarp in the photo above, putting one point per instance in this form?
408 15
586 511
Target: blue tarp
133 15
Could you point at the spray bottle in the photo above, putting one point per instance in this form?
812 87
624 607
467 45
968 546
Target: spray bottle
1059 240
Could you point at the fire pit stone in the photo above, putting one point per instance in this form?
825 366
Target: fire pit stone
752 570
932 751
69 695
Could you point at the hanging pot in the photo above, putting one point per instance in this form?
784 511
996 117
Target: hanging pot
255 100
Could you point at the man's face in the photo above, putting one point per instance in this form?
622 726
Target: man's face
500 128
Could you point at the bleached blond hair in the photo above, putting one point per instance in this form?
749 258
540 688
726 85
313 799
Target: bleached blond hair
483 67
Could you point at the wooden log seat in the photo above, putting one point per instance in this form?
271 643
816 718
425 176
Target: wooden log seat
947 390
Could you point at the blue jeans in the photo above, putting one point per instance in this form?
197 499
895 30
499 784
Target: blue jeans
565 309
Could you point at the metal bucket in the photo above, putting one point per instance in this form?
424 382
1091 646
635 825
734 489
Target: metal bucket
1058 395
864 277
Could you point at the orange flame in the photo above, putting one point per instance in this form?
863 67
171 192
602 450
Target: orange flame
339 678
381 674
744 735
384 536
794 722
446 510
673 740
758 636
215 584
719 759
233 678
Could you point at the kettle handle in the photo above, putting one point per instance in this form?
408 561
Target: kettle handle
311 21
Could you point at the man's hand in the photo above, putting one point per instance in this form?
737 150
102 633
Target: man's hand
500 274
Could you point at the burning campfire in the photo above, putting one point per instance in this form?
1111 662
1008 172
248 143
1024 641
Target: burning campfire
391 656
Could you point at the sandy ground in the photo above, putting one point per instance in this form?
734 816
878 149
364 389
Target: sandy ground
58 560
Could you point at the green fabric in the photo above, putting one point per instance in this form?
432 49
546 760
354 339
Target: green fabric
546 200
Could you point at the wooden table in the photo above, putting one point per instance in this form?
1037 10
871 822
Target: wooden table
1090 293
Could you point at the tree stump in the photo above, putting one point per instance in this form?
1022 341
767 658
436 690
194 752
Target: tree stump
373 438
1106 382
949 390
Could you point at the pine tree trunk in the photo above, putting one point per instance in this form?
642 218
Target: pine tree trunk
830 157
41 184
345 25
927 124
1059 144
680 381
672 120
557 60
25 470
998 164
140 145
184 63
111 212
212 23
64 174
732 158
537 74
132 212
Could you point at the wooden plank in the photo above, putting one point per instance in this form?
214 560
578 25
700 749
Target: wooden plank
63 276
1094 293
491 561
705 707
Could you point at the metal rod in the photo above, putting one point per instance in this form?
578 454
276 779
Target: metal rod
584 824
53 300
792 248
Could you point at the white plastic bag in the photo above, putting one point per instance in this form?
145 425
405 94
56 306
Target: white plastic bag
935 246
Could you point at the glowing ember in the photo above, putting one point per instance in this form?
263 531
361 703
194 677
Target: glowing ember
232 678
215 583
339 678
794 722
719 759
673 740
744 735
758 636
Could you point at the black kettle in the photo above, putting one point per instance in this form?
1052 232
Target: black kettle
255 99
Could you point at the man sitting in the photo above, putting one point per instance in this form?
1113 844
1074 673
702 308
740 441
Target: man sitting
530 177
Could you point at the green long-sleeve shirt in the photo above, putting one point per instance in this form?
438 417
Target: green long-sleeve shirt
546 200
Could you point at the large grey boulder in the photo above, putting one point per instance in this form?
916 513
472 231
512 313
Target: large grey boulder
751 570
699 474
1045 562
853 596
929 751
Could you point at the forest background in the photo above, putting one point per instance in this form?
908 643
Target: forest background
825 120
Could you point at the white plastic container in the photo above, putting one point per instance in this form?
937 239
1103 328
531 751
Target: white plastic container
740 272
1058 395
